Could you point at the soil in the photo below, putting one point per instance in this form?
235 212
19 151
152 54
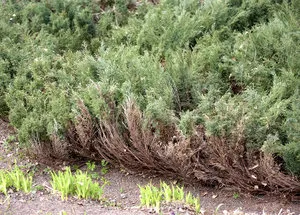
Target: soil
122 193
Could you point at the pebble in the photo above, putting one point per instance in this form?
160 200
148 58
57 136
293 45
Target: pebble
238 212
151 211
181 210
123 196
225 212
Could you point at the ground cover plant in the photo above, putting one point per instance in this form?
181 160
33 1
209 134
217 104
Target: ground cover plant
205 91
152 196
16 179
79 184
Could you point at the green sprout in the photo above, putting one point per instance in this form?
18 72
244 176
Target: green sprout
151 196
80 184
15 178
104 167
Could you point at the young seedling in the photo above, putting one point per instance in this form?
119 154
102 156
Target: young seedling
83 183
236 195
104 167
94 175
167 191
79 184
27 184
148 195
152 196
178 193
20 181
15 178
189 199
86 188
156 198
38 188
4 182
197 205
7 144
63 182
91 166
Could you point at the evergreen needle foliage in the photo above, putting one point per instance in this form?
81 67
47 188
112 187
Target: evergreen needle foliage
228 67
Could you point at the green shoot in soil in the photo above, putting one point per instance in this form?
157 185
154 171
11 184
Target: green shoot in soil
152 196
15 178
79 184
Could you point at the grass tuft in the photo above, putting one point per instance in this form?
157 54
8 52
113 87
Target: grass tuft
153 197
79 184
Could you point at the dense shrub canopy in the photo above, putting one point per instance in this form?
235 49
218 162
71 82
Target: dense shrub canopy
232 66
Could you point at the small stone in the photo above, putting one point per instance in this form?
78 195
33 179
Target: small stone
253 176
238 212
255 166
204 194
264 183
181 210
113 202
225 212
151 211
214 196
123 196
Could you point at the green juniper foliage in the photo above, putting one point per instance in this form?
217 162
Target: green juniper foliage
221 64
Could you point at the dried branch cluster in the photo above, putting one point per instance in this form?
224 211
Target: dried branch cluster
197 159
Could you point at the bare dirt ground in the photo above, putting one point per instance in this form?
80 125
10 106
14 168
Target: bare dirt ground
122 193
